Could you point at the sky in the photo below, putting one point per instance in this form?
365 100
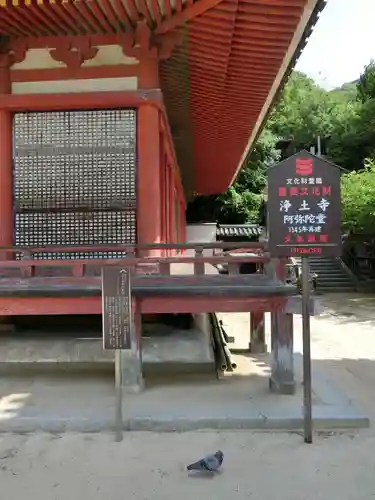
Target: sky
342 43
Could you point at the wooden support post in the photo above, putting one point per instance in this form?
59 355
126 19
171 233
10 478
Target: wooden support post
282 358
149 203
6 174
171 205
168 205
149 196
282 361
164 228
257 333
199 267
6 162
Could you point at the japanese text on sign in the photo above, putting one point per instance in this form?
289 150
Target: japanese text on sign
116 305
304 205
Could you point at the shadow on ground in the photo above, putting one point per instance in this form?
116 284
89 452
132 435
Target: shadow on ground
346 308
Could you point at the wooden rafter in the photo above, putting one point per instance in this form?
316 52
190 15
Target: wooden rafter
187 14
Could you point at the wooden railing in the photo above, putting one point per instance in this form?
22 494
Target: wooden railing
25 259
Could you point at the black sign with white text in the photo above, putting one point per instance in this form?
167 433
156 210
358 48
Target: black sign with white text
116 308
304 207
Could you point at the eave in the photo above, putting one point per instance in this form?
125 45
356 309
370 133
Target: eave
219 85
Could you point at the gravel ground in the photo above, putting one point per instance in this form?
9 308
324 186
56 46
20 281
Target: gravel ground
257 465
149 466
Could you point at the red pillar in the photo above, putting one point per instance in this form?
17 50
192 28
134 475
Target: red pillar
172 215
149 203
183 221
165 207
149 194
148 74
162 197
6 161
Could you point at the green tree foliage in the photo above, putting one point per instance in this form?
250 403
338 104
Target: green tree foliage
353 139
366 83
358 199
304 112
347 93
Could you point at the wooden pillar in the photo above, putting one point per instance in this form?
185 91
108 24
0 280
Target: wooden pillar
172 214
183 221
257 333
164 229
149 200
149 196
148 74
6 161
6 173
282 362
282 357
167 207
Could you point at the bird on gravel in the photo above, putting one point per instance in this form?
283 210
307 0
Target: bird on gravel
210 463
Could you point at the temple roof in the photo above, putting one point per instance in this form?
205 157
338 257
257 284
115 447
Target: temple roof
221 80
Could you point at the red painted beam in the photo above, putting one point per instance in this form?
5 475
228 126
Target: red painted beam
83 73
132 248
31 306
41 42
94 100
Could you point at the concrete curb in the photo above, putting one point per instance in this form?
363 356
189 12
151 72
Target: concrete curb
325 418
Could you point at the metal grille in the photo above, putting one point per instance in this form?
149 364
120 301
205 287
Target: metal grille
75 179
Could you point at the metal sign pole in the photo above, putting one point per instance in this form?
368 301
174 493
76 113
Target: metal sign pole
117 324
118 389
306 350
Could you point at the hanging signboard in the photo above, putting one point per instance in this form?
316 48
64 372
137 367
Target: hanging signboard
116 308
304 212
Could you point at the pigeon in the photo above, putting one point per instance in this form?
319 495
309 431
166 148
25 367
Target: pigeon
210 463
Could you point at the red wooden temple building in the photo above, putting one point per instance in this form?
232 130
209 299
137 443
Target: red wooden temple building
114 114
